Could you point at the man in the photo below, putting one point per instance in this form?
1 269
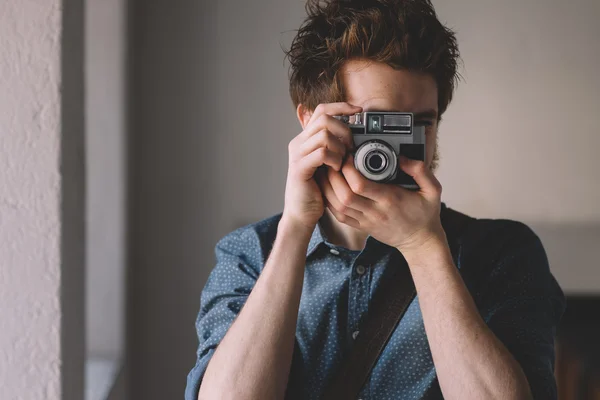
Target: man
289 294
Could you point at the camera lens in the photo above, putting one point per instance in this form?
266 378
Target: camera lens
376 161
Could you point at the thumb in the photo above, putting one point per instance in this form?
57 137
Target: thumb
428 183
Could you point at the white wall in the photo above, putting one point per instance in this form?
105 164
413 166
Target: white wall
41 200
213 119
30 201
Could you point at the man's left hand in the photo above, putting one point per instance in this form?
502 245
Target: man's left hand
398 217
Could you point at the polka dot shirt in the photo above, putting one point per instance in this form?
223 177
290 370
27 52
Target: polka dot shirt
502 263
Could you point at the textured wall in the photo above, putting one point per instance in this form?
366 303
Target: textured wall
30 200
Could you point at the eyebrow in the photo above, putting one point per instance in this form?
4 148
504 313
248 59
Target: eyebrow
427 114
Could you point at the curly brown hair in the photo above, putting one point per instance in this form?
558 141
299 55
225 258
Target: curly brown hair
404 34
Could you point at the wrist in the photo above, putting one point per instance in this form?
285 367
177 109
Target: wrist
288 224
432 249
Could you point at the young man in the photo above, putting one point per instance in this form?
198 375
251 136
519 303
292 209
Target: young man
289 294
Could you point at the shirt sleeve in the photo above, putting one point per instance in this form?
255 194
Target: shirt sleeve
523 307
225 292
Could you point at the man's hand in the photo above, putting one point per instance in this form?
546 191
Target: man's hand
398 217
324 141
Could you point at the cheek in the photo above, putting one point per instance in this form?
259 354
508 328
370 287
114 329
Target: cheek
431 139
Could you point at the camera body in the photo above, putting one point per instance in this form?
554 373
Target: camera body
379 138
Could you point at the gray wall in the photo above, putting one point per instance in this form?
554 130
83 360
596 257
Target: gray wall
212 119
72 169
106 111
172 200
532 62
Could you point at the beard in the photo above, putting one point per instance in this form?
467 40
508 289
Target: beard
435 159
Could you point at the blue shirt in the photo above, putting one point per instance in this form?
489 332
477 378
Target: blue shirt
502 263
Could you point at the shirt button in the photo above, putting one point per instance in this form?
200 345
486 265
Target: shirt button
354 334
360 269
334 252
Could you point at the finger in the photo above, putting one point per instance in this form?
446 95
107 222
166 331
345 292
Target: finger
323 138
343 218
345 195
341 108
307 166
428 183
332 199
334 126
358 183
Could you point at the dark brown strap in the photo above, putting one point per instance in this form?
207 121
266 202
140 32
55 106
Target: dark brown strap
390 302
389 305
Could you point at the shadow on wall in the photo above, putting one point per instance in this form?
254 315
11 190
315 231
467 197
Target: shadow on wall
170 197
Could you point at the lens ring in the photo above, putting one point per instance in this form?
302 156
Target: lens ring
372 146
376 161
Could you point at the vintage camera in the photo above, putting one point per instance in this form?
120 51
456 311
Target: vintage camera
379 138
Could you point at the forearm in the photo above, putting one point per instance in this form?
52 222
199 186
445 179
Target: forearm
253 359
470 362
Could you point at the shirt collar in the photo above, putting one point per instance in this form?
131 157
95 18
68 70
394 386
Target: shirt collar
315 239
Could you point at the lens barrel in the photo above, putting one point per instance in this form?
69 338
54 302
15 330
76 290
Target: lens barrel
376 161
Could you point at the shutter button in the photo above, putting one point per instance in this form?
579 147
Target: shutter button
360 269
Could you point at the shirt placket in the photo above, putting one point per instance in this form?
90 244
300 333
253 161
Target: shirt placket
358 301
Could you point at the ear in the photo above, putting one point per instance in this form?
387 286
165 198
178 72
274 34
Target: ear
303 114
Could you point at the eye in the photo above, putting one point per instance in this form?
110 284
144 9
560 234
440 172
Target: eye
424 122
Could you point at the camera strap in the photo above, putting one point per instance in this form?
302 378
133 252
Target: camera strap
388 306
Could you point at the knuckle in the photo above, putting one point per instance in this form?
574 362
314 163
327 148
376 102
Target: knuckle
319 108
385 202
377 215
347 199
322 152
327 135
359 187
322 121
323 136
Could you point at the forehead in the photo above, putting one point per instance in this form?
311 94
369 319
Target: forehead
377 86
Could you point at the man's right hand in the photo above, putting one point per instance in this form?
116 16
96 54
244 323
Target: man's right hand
324 141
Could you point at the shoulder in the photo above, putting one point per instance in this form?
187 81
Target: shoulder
504 257
253 241
491 247
502 233
495 236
